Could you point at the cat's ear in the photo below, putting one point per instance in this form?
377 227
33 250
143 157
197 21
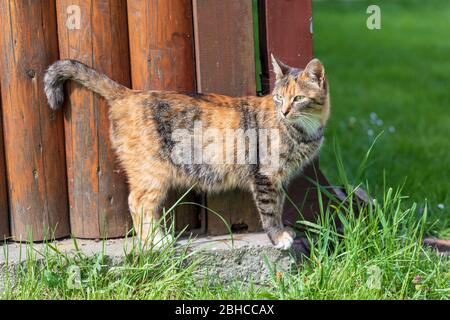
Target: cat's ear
279 68
314 71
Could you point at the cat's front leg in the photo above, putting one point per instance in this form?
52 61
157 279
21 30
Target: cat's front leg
269 201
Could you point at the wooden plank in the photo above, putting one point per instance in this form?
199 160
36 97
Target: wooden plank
225 64
34 143
98 191
286 32
162 58
4 220
237 208
225 53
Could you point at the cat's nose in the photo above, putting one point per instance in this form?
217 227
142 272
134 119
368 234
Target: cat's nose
285 112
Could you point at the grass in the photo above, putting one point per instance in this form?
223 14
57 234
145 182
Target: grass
51 274
379 255
397 75
393 80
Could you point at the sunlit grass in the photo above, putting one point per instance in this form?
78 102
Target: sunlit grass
378 254
394 80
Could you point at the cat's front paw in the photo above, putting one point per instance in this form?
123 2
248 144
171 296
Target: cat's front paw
284 238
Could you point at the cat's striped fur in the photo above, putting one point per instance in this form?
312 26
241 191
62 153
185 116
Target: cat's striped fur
143 125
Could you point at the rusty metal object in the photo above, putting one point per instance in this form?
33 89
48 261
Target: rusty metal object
441 246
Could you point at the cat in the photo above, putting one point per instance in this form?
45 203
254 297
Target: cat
145 129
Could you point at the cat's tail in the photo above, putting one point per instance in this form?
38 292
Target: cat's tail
63 70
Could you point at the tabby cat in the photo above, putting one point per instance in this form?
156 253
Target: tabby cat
150 129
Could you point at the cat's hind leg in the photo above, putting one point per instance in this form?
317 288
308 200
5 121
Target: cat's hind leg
147 220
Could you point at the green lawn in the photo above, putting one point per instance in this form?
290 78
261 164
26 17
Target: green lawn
395 80
378 256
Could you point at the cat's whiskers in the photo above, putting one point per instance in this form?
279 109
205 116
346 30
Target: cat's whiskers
309 122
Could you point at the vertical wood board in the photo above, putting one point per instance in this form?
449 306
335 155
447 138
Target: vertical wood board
97 185
34 135
287 34
225 65
162 58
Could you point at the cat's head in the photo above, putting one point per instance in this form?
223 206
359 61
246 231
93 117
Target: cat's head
301 96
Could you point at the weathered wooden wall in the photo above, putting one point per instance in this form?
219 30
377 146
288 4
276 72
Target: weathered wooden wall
34 145
145 44
162 58
221 67
4 220
98 192
225 64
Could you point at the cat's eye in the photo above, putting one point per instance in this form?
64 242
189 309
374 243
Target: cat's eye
298 98
278 97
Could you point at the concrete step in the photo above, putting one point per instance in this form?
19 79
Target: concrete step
248 256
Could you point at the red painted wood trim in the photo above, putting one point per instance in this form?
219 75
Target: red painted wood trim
4 219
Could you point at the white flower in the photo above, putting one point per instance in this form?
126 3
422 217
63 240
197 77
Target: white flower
370 132
373 116
379 122
391 129
351 122
441 206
